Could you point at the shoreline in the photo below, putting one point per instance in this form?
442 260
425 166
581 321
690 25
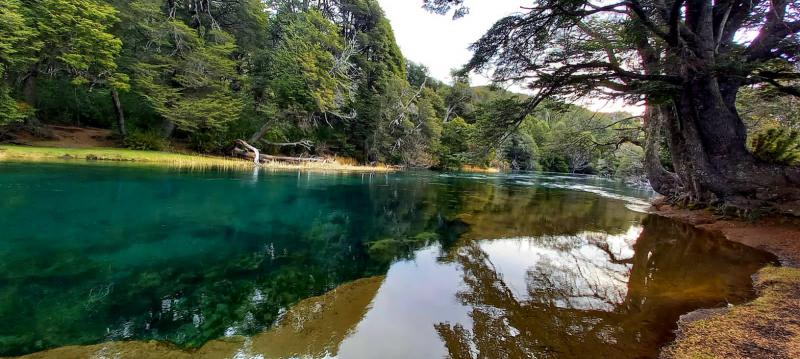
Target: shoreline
766 327
110 155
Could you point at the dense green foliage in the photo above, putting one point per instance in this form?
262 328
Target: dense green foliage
16 44
145 141
694 65
290 77
777 145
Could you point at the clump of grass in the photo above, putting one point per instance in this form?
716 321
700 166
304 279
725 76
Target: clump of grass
475 169
177 160
165 159
768 327
333 166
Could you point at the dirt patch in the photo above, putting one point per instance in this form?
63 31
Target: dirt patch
767 327
68 137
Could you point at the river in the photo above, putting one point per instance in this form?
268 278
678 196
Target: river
99 261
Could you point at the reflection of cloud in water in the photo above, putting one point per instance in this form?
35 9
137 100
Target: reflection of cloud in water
587 294
415 295
420 293
590 267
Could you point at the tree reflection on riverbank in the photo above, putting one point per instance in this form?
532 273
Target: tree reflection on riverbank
593 295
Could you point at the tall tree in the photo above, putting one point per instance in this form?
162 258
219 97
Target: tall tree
381 63
458 97
185 74
686 59
18 44
303 77
70 38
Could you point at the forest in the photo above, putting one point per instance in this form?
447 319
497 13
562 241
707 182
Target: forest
291 77
327 78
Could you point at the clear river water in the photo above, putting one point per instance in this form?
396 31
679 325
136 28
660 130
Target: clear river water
104 261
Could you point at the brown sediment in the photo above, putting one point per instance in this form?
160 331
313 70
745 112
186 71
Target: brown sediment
767 327
777 235
313 327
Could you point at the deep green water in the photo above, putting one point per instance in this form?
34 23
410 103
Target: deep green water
552 264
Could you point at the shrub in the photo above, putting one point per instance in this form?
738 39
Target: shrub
777 145
145 140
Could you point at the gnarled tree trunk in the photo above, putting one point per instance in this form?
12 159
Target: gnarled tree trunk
708 148
662 181
260 133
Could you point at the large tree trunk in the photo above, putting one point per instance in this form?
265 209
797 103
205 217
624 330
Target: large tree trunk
29 92
708 147
662 181
119 112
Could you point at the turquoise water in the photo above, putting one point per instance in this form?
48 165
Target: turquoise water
90 254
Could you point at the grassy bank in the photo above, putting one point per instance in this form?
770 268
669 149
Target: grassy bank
768 327
155 158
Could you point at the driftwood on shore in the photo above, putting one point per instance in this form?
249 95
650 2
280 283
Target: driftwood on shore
245 150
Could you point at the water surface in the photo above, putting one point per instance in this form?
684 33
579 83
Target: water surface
296 264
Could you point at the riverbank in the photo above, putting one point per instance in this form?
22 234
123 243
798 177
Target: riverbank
17 153
767 327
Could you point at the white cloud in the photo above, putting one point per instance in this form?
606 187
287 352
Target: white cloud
440 42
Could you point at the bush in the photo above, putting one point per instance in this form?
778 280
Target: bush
777 145
10 109
146 141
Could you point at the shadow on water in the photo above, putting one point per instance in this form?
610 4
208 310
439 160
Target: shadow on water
516 266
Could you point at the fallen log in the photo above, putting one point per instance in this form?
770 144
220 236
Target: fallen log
256 152
252 153
292 159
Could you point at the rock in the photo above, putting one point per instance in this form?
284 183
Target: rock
701 314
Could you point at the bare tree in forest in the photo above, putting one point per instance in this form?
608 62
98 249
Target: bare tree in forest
685 59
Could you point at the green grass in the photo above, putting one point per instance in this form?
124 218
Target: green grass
156 158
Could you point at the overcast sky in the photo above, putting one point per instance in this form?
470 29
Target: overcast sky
441 43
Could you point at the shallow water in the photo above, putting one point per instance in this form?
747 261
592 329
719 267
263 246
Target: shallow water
516 265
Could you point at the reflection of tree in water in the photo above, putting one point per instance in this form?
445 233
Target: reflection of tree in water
573 308
194 282
496 212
